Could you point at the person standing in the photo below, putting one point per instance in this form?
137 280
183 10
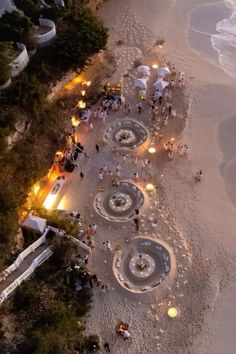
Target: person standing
107 347
94 228
81 175
97 148
108 246
136 221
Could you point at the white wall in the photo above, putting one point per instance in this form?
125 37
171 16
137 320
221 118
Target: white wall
6 5
46 38
18 64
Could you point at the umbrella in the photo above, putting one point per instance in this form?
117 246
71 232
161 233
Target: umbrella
163 71
160 84
145 70
140 83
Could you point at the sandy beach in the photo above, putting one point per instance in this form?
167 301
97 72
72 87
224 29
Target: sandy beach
196 220
211 136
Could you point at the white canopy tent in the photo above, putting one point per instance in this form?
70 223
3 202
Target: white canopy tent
163 71
160 85
140 83
35 223
143 69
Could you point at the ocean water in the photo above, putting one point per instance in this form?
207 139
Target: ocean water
224 42
215 23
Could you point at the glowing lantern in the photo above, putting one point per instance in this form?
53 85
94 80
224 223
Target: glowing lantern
36 188
83 92
172 312
81 104
152 150
75 122
149 187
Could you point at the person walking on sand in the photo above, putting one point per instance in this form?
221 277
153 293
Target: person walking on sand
136 222
97 148
104 288
107 347
198 176
108 246
118 171
136 176
81 175
104 244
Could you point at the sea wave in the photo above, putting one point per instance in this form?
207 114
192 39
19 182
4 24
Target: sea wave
224 42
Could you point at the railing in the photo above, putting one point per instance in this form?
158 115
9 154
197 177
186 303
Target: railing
24 254
42 257
36 263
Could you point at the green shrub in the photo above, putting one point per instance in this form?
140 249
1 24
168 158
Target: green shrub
26 296
5 71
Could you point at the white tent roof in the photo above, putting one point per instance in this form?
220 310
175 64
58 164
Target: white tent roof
35 223
163 71
140 83
143 69
160 84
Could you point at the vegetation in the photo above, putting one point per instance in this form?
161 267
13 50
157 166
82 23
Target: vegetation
31 8
17 28
80 35
57 323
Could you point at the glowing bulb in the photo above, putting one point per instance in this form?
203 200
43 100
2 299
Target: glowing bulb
172 139
152 150
172 312
83 93
75 122
88 83
154 66
81 104
149 187
36 188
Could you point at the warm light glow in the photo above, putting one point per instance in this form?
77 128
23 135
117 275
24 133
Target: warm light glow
152 150
75 122
172 312
77 80
81 104
49 201
172 139
149 187
83 92
36 188
154 66
61 205
88 83
160 46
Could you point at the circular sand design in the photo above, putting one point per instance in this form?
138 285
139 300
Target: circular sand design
126 134
142 265
119 203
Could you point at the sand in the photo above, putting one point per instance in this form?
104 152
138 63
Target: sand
197 220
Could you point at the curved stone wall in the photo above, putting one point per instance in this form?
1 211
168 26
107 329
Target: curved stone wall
46 38
22 60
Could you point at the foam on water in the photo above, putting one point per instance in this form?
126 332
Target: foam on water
224 42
